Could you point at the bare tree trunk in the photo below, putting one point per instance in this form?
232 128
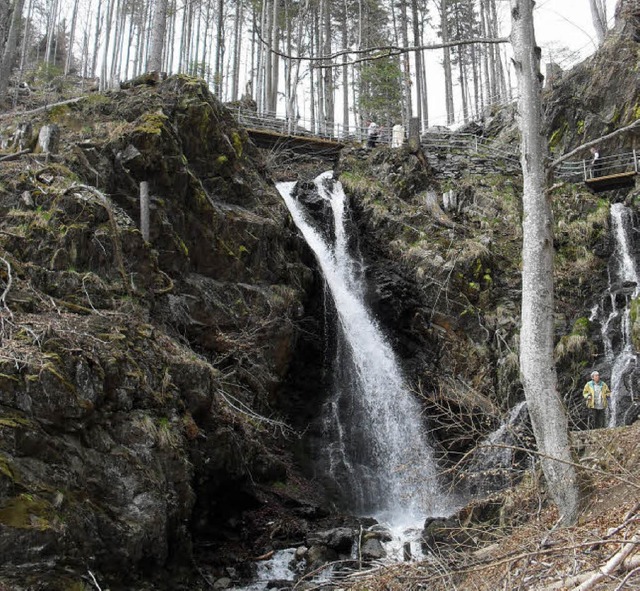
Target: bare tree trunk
52 24
537 367
9 53
312 94
217 82
116 58
320 115
72 37
195 68
404 31
237 50
487 56
419 68
105 81
329 106
502 88
599 18
158 31
475 65
345 69
96 42
262 65
170 35
275 60
25 38
448 77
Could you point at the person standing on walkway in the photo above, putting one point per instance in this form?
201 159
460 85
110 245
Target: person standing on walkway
596 163
372 134
596 394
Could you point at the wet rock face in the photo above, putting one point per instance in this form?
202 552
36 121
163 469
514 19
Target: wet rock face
128 367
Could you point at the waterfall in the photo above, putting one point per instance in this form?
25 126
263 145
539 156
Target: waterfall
622 289
374 447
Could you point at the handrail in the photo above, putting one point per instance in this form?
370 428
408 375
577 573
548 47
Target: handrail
435 139
620 163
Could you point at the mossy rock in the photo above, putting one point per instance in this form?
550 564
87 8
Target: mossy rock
27 512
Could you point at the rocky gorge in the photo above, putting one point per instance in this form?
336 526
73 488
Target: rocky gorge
158 397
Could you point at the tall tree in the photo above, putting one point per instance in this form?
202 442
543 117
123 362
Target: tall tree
14 18
443 10
158 31
537 367
599 18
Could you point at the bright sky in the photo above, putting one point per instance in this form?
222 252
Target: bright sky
564 31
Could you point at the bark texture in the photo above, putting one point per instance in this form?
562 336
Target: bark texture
537 366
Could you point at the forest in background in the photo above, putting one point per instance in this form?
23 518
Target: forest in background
326 64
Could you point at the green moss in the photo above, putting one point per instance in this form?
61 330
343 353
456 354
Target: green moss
580 126
4 376
27 512
49 367
183 247
152 123
581 327
14 422
6 469
221 160
236 141
557 135
59 113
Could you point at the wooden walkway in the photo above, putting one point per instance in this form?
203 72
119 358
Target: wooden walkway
326 141
611 181
325 148
609 172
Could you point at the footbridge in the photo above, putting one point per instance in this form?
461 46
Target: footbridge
609 172
325 140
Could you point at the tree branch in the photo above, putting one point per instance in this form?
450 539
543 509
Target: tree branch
611 566
3 296
14 156
613 134
385 51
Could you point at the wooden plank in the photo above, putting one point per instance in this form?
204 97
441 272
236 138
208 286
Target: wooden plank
612 181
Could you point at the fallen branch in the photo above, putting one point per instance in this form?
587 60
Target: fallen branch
14 156
14 114
3 296
611 566
631 564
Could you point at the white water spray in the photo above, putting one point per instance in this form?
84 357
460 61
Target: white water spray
374 445
623 283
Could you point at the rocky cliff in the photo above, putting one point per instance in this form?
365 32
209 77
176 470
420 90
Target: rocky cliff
138 378
154 394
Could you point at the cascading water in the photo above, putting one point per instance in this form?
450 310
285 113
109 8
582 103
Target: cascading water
374 445
616 325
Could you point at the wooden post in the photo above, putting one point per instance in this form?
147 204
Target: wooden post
144 210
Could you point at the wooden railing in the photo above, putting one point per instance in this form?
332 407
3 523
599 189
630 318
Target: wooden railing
576 171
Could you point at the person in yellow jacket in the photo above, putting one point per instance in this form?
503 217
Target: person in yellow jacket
597 393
